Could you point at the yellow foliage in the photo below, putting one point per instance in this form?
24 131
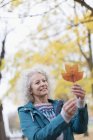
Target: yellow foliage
89 26
88 20
87 14
23 59
68 27
12 81
47 59
62 88
76 20
52 54
19 54
86 83
57 50
83 40
71 47
16 2
56 45
27 59
44 59
2 64
65 38
40 28
75 30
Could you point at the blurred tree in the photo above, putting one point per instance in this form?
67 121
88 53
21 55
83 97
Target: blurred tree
2 130
2 64
84 41
14 122
68 36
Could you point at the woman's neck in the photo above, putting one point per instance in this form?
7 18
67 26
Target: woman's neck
41 100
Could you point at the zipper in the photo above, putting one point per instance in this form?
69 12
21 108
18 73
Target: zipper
32 116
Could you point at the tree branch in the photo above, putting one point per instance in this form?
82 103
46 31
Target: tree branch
83 3
2 55
82 22
36 15
87 59
1 6
90 50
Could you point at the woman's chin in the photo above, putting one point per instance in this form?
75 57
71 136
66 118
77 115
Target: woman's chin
44 94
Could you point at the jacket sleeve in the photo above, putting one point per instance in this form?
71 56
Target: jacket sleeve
79 122
33 131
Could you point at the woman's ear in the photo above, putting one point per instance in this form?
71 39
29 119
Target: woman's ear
31 92
30 89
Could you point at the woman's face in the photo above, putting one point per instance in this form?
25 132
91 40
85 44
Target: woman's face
39 85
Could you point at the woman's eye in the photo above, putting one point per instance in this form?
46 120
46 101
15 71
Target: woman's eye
37 83
44 80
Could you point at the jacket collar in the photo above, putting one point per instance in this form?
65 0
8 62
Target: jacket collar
30 106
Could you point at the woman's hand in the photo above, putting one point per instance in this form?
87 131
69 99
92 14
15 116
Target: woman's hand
69 109
78 91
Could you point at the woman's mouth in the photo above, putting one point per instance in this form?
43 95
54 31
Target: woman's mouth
43 89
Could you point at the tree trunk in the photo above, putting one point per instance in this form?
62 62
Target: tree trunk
2 130
92 89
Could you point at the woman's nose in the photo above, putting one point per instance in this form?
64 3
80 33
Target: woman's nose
42 83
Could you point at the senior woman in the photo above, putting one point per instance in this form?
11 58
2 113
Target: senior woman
42 118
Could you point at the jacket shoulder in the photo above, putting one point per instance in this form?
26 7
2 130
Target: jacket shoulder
21 108
25 107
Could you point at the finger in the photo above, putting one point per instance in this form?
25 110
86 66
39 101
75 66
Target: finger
69 101
81 92
70 105
77 87
79 95
71 111
70 108
78 91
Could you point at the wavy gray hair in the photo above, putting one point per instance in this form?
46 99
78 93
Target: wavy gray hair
26 81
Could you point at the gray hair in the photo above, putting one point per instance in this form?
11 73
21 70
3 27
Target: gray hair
26 81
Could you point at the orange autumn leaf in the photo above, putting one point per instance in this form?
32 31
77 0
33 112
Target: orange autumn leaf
72 74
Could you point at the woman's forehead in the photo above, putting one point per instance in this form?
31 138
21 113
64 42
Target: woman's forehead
37 76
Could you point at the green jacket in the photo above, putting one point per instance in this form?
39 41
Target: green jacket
36 126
